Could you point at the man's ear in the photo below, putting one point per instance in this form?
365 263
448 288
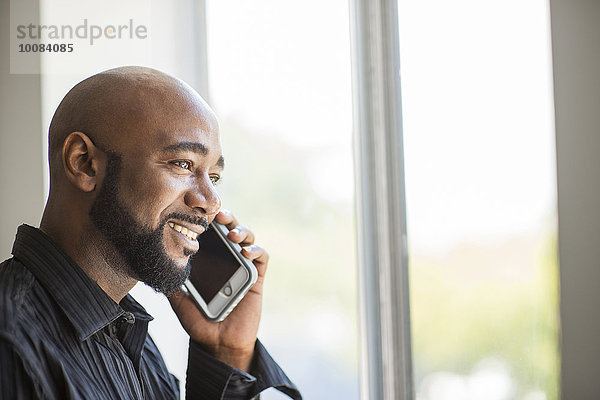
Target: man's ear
80 161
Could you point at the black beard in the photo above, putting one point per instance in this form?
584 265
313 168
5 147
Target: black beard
141 247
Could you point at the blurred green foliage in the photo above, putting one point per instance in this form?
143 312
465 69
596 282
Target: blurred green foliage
483 301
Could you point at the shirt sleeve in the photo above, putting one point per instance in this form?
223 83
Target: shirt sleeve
209 378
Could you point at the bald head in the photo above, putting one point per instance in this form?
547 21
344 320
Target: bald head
132 152
116 108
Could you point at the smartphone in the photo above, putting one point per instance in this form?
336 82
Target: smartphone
220 275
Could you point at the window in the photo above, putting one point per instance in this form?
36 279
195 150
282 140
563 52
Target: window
475 246
279 80
481 198
477 127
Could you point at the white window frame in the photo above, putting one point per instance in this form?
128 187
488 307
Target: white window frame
386 361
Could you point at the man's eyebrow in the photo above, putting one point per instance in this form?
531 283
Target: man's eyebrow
194 147
187 146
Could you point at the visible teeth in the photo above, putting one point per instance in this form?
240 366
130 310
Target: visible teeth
185 231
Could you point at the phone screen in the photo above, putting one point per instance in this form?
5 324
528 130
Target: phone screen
212 266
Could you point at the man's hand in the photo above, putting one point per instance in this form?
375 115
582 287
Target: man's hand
232 340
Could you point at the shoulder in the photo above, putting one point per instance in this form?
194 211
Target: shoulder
16 283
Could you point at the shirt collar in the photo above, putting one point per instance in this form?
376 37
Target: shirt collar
84 303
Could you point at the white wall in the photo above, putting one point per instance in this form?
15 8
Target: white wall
576 48
21 150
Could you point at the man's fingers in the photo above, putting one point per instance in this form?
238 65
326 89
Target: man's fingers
241 234
258 256
237 233
226 217
255 253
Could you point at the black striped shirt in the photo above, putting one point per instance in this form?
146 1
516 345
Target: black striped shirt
63 337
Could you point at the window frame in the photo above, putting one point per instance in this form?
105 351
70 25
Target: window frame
382 254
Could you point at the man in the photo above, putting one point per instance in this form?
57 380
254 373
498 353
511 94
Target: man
132 152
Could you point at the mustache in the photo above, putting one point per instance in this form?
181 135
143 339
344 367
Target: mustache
192 219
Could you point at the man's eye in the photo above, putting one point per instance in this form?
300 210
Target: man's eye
215 179
185 164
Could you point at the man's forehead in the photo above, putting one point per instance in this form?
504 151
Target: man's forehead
167 113
188 138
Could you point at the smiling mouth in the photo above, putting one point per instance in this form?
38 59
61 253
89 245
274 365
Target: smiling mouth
188 233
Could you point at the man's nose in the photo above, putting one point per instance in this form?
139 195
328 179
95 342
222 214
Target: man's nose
203 197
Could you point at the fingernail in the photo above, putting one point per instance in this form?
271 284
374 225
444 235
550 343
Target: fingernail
236 231
247 248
